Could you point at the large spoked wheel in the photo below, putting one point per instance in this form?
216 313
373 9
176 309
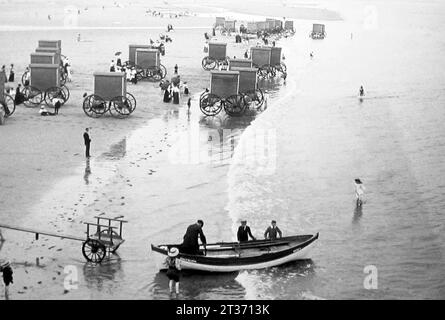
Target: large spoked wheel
210 104
120 107
94 251
140 73
267 72
94 106
254 98
9 105
132 100
234 105
33 96
61 93
281 67
208 63
155 74
24 77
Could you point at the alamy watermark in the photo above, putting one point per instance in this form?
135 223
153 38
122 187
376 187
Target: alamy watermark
371 279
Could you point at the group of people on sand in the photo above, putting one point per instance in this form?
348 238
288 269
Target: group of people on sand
130 72
190 245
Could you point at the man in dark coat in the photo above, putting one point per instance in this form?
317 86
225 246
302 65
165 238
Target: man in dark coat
244 232
271 231
190 244
86 138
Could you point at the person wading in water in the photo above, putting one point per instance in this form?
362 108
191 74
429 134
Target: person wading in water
173 270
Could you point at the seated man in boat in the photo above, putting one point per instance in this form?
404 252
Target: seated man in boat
244 232
190 244
271 231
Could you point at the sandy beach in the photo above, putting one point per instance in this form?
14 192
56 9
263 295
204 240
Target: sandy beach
163 168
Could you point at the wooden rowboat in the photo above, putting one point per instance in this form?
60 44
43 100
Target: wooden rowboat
235 256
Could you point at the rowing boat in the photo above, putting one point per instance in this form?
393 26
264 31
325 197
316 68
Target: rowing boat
236 256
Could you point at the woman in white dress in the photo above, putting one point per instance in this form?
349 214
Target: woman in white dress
359 191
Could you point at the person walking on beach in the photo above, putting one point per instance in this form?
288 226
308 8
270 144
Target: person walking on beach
359 191
87 140
6 269
176 93
57 105
244 232
189 104
11 73
173 270
190 244
272 231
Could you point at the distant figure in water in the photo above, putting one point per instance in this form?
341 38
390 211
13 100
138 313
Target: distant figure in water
361 91
173 270
272 231
78 37
311 54
359 191
244 232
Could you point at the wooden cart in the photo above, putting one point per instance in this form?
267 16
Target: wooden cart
110 95
224 93
248 87
102 239
217 57
45 85
318 31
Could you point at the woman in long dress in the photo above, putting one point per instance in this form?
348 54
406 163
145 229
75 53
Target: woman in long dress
167 94
175 95
359 191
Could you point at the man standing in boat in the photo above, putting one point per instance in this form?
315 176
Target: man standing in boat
244 232
272 231
190 244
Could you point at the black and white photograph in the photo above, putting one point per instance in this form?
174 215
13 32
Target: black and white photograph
222 150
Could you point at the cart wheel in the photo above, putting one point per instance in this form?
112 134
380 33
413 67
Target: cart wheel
56 93
234 105
94 106
162 72
208 63
24 76
263 73
282 67
94 251
254 98
132 101
9 104
33 96
155 74
140 73
120 107
210 104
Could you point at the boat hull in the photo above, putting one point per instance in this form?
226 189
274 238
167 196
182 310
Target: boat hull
220 265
